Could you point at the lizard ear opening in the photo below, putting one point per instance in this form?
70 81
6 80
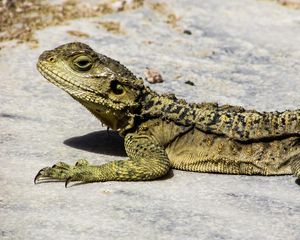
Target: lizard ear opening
116 87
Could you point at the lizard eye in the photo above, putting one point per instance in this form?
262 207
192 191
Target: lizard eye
83 63
117 88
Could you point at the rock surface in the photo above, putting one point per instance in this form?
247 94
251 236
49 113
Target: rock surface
238 52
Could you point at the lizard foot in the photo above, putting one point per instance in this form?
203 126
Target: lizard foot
63 171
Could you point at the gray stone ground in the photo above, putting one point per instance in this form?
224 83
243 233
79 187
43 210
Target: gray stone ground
240 52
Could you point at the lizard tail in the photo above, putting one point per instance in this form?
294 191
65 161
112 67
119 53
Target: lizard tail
249 125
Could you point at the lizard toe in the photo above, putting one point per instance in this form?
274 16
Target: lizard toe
58 171
82 162
62 171
61 165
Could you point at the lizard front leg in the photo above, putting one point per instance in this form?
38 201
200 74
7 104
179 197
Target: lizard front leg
147 161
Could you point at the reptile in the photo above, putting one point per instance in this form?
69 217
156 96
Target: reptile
162 132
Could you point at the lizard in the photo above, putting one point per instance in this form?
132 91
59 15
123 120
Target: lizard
161 131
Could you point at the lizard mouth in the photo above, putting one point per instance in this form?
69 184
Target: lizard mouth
59 81
79 92
84 94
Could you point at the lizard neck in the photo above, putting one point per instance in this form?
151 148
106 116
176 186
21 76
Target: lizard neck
112 118
167 107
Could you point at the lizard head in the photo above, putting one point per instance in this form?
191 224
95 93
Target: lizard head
104 86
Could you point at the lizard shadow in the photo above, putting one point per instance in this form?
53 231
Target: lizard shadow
103 142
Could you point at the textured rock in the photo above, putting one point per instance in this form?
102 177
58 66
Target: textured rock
239 52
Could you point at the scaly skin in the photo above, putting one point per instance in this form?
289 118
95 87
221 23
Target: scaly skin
163 132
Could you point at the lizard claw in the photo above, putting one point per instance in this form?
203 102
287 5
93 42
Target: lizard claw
37 177
39 174
69 179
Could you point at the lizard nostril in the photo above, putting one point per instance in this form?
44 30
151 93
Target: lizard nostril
51 59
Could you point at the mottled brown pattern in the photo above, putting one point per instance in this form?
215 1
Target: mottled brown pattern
163 132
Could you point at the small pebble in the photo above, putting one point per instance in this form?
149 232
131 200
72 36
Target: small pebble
190 83
188 32
153 76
